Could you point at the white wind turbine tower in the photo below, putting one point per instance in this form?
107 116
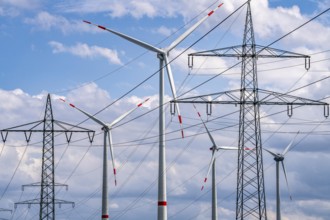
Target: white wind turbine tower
162 55
107 138
279 158
214 148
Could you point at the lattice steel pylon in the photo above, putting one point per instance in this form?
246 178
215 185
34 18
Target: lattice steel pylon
47 185
250 199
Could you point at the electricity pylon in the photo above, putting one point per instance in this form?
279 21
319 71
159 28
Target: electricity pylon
250 198
47 185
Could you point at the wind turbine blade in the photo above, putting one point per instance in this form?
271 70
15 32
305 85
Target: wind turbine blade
86 113
190 30
126 114
286 179
209 168
170 78
207 130
272 153
227 148
112 156
131 39
230 148
213 150
289 146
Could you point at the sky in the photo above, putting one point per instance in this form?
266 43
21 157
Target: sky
47 48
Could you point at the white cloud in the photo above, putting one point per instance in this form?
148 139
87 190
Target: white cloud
181 183
145 7
8 12
46 21
86 51
23 4
165 30
148 8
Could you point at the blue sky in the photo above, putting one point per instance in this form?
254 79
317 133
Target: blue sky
46 48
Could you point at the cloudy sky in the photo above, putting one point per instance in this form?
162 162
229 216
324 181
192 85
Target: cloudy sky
46 48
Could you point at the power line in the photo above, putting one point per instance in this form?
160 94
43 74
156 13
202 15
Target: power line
140 55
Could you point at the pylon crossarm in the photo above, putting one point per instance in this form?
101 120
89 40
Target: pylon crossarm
20 128
5 210
261 52
226 97
35 128
79 129
38 184
265 98
60 202
37 202
35 124
31 185
237 52
275 98
27 202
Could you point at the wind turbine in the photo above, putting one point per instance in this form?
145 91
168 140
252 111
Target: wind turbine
107 138
279 158
162 55
214 148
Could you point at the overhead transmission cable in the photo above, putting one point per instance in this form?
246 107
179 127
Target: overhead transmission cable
12 177
137 57
307 22
292 32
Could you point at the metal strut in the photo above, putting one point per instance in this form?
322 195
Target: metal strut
190 61
289 109
326 110
172 108
209 108
307 63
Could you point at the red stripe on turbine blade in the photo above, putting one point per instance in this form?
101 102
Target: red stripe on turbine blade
220 5
105 216
114 171
180 119
72 105
162 203
63 100
202 188
199 114
205 180
88 22
99 26
143 102
182 134
211 12
246 148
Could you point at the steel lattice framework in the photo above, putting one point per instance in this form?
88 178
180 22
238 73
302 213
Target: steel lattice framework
47 209
47 185
250 199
